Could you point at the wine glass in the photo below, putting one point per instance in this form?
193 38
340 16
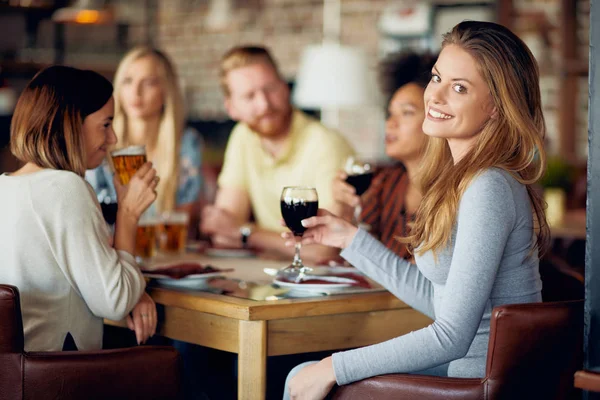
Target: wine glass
298 203
109 209
359 175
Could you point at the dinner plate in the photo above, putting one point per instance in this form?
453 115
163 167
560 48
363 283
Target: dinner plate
192 281
237 253
321 270
196 246
189 275
313 287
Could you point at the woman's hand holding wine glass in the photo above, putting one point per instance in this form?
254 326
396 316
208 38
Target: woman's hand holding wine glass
358 175
345 195
326 229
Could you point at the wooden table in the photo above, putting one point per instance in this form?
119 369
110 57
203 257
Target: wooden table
257 329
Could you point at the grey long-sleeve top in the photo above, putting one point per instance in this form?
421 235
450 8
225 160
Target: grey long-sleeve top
488 262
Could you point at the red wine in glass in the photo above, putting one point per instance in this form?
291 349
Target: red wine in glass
359 175
294 213
109 211
361 182
298 203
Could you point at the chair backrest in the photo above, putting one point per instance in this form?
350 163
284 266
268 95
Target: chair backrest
11 343
11 334
534 350
147 372
144 372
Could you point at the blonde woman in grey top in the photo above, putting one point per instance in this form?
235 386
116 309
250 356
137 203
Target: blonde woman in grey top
479 226
54 243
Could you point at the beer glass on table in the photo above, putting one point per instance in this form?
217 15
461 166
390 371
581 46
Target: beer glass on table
127 161
173 231
145 241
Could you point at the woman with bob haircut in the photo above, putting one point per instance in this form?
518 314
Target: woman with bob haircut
149 110
55 244
479 227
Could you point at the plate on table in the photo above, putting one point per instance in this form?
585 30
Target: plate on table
196 246
187 275
225 252
313 287
327 284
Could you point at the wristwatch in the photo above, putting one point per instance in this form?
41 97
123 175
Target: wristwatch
245 232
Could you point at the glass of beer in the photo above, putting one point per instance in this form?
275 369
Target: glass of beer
145 241
173 232
127 161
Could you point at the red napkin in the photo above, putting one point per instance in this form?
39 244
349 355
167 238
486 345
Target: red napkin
178 271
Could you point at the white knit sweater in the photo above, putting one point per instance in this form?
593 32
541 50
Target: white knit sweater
54 247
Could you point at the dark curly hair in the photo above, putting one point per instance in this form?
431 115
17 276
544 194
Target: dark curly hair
406 66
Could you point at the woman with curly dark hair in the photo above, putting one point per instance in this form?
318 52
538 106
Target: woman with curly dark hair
394 196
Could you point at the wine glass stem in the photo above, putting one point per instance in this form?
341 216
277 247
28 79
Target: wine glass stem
297 260
357 212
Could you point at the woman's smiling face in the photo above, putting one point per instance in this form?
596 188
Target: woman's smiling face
458 102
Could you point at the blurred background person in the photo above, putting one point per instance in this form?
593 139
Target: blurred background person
149 110
393 197
55 244
271 147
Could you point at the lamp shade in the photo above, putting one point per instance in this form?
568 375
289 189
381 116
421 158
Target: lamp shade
84 12
334 76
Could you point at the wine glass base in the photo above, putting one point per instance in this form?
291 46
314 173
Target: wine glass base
293 273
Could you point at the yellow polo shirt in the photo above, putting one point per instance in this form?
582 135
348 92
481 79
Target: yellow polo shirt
312 156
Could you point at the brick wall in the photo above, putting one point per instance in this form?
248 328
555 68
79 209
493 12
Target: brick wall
181 28
287 26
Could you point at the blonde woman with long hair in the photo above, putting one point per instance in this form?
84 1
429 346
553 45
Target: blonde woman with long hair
479 226
149 111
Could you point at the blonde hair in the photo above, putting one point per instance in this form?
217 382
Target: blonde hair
513 140
170 127
242 56
47 124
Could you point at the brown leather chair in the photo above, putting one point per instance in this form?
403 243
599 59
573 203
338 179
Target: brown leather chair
147 372
533 352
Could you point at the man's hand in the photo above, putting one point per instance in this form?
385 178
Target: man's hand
227 242
222 226
216 221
